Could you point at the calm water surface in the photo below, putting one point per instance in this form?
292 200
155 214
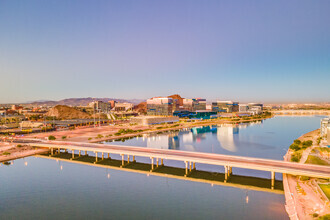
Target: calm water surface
37 188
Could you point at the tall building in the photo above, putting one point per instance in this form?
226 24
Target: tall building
160 106
194 104
225 106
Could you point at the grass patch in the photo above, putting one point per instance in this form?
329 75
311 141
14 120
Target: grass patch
19 145
5 153
326 189
315 160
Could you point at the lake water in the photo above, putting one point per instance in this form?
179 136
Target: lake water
38 188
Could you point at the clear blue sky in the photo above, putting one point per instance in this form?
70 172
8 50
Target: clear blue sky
270 51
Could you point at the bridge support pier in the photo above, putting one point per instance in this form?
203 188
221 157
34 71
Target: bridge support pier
109 156
86 153
194 166
272 179
72 154
95 157
122 160
152 164
102 156
186 163
134 159
157 162
59 150
79 153
161 162
51 151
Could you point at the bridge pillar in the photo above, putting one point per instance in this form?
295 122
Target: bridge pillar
86 153
226 173
190 166
79 153
194 166
51 151
157 162
95 157
152 163
186 167
161 162
102 156
122 160
127 158
134 159
273 179
109 156
72 154
59 150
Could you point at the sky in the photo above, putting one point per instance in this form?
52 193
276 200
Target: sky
247 51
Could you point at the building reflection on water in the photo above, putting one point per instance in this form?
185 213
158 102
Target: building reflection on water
226 134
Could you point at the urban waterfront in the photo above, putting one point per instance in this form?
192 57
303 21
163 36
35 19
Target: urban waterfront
41 188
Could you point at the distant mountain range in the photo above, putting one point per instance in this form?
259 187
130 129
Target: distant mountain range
81 101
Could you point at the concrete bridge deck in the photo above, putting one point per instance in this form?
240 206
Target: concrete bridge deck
191 158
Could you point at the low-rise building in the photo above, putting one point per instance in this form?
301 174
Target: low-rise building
243 107
160 106
194 104
104 107
225 106
149 120
123 107
325 126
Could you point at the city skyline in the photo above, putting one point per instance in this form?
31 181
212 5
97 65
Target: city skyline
271 52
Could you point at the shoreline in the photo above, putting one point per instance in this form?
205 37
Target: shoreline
155 131
302 196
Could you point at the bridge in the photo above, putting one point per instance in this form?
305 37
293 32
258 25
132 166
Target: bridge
301 112
206 177
189 158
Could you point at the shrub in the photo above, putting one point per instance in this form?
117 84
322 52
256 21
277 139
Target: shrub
63 137
19 145
99 136
307 143
297 141
51 138
6 153
296 157
294 147
90 139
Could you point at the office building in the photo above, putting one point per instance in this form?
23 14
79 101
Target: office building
160 106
